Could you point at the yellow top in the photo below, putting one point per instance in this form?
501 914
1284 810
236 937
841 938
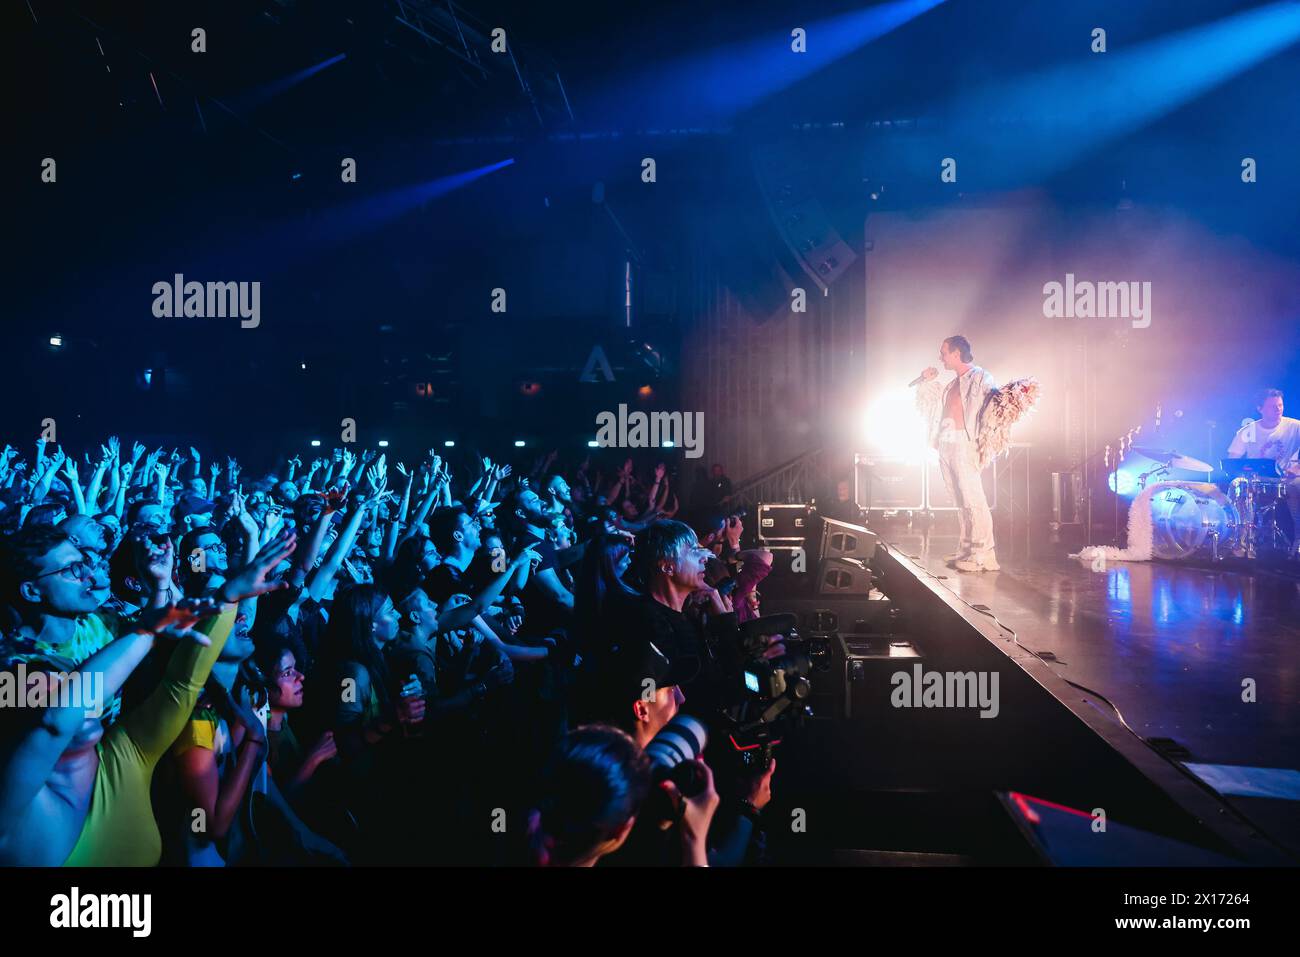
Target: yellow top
120 830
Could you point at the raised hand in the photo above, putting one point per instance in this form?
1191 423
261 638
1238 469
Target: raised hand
176 621
137 451
401 468
70 471
115 446
158 563
336 498
239 511
254 578
503 472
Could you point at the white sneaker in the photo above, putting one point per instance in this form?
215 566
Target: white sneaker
987 564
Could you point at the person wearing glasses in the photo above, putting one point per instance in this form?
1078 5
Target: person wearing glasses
71 792
203 561
49 594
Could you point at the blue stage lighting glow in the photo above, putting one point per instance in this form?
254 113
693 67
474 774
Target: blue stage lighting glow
1124 481
268 91
724 81
1068 111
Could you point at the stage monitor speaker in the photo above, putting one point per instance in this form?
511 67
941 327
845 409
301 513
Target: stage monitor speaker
845 540
784 525
882 483
843 576
936 493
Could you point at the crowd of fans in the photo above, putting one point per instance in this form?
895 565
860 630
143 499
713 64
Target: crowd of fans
357 661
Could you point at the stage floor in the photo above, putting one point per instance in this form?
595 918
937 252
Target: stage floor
1170 646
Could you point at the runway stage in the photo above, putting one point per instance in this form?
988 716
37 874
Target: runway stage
1168 644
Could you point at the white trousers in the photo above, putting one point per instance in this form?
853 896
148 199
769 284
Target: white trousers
962 479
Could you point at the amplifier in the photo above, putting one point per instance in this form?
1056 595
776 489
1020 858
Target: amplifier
888 484
784 525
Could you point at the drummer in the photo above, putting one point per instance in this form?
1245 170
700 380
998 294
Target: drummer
1274 436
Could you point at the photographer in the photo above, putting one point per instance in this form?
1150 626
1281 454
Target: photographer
670 563
595 790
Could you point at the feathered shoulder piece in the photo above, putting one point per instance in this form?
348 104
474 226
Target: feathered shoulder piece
1004 408
928 396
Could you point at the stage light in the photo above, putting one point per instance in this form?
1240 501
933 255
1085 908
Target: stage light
304 365
892 427
645 392
449 444
519 443
315 443
666 445
383 443
593 444
56 341
1124 481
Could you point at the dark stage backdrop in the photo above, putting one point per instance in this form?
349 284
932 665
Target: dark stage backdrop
772 383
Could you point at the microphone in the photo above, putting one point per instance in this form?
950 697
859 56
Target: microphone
917 381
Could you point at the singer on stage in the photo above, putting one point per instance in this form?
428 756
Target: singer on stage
952 417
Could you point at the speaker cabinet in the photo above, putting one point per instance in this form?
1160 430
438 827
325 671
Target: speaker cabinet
843 576
843 540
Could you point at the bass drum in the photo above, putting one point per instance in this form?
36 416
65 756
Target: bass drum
1188 517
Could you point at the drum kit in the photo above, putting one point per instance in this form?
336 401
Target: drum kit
1241 517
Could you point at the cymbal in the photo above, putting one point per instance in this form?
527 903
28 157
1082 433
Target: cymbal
1174 459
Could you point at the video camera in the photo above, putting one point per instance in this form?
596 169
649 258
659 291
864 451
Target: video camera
770 700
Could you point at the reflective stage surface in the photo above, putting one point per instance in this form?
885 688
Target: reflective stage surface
1175 648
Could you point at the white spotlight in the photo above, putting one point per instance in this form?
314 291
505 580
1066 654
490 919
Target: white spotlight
893 427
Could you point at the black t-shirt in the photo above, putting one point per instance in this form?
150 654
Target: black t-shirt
716 647
445 581
542 613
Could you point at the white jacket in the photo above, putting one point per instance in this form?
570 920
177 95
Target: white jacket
976 386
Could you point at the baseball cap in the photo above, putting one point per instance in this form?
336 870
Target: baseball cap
191 503
629 665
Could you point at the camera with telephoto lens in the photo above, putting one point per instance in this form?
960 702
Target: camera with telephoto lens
772 693
672 753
